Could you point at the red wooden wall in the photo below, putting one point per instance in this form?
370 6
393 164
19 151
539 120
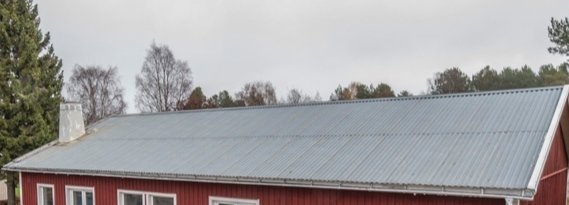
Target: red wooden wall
190 193
552 188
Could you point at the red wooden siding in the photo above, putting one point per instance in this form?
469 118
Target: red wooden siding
191 193
552 188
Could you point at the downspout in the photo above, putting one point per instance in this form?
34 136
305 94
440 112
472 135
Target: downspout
21 189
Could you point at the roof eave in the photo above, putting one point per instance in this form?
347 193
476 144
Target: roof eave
480 192
27 155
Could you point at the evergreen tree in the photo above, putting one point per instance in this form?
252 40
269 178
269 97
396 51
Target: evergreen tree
222 99
363 91
550 75
382 91
559 34
197 100
486 79
452 80
357 90
30 81
518 78
404 93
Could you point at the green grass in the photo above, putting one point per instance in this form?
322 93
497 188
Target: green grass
18 192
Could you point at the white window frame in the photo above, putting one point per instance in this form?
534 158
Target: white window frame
69 198
146 196
215 200
40 192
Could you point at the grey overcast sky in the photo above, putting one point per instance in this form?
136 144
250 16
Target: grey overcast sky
312 45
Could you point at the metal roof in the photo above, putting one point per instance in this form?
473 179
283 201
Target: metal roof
487 140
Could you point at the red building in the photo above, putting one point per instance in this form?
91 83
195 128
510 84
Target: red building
500 147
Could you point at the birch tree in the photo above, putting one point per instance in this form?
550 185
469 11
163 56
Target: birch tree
164 81
99 91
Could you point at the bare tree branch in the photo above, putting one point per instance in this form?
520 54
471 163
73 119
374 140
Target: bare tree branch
257 93
164 81
296 96
99 91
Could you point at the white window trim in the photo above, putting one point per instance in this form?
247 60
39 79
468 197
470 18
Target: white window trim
120 191
213 200
149 196
40 195
68 198
145 195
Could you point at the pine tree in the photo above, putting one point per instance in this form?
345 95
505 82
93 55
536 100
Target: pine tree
486 79
222 99
559 34
452 80
197 100
30 81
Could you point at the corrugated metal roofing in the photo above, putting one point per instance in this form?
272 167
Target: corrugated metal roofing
487 140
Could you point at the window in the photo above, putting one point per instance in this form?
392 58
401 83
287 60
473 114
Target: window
231 201
45 194
80 195
145 198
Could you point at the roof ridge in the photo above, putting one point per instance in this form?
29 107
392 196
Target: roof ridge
386 99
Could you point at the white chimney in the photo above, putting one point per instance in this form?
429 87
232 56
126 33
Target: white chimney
71 124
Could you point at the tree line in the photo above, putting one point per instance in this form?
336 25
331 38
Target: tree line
453 80
165 83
